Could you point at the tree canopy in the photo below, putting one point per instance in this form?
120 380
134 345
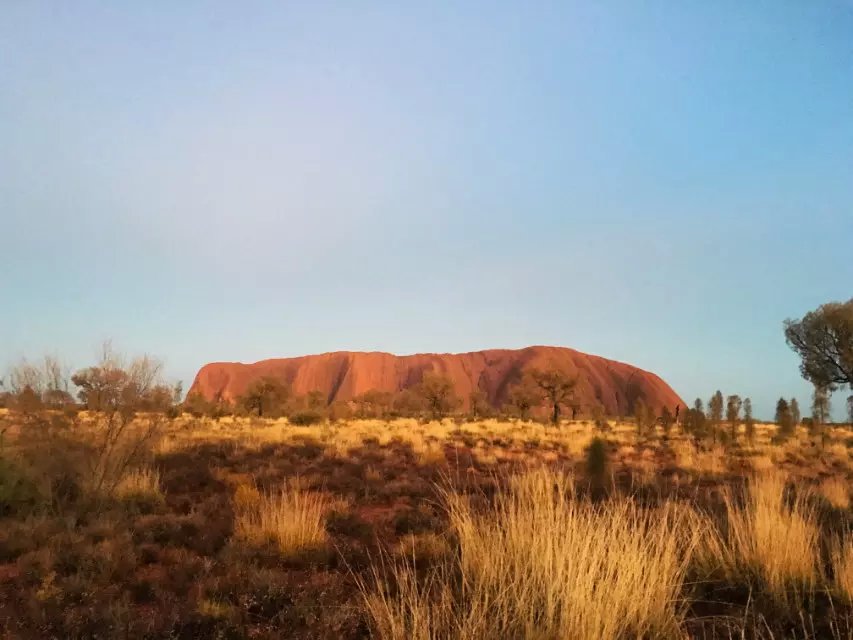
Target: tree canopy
823 339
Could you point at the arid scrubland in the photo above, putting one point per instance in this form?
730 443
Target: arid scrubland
250 527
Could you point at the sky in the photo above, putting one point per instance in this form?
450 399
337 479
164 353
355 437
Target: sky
660 183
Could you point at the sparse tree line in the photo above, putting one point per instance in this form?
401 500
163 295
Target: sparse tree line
434 397
75 460
822 338
111 384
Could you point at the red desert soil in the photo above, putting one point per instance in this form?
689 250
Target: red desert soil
342 375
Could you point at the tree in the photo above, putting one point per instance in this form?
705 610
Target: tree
438 393
820 413
645 418
850 409
748 421
821 406
733 406
599 418
265 395
715 412
666 419
557 388
316 400
45 384
197 405
407 403
524 396
784 419
694 422
478 403
794 406
823 339
119 437
373 403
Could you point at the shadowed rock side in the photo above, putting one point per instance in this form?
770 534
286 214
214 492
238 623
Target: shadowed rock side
343 375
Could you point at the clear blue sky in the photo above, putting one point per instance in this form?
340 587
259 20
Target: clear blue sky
658 182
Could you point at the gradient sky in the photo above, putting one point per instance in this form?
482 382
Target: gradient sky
662 183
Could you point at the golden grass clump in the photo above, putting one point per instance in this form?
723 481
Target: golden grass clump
544 563
842 567
770 536
836 491
142 483
292 518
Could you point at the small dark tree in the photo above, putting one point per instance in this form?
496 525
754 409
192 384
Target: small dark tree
316 400
596 463
642 418
265 395
748 421
408 403
821 408
557 388
794 406
438 393
784 419
197 405
666 420
524 396
478 404
715 413
373 403
599 418
733 406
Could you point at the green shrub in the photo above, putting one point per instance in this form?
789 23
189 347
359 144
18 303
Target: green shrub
596 462
306 417
17 491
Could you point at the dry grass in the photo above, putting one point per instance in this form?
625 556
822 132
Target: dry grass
142 483
292 518
769 537
836 491
697 460
525 556
544 564
842 567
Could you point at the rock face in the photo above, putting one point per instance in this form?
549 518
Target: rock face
343 375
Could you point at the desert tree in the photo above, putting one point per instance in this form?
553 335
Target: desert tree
438 393
121 435
37 385
715 413
748 421
524 396
597 464
373 403
733 407
557 389
407 403
666 420
478 404
694 421
644 418
316 400
823 339
796 416
197 405
784 420
599 418
821 408
265 395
